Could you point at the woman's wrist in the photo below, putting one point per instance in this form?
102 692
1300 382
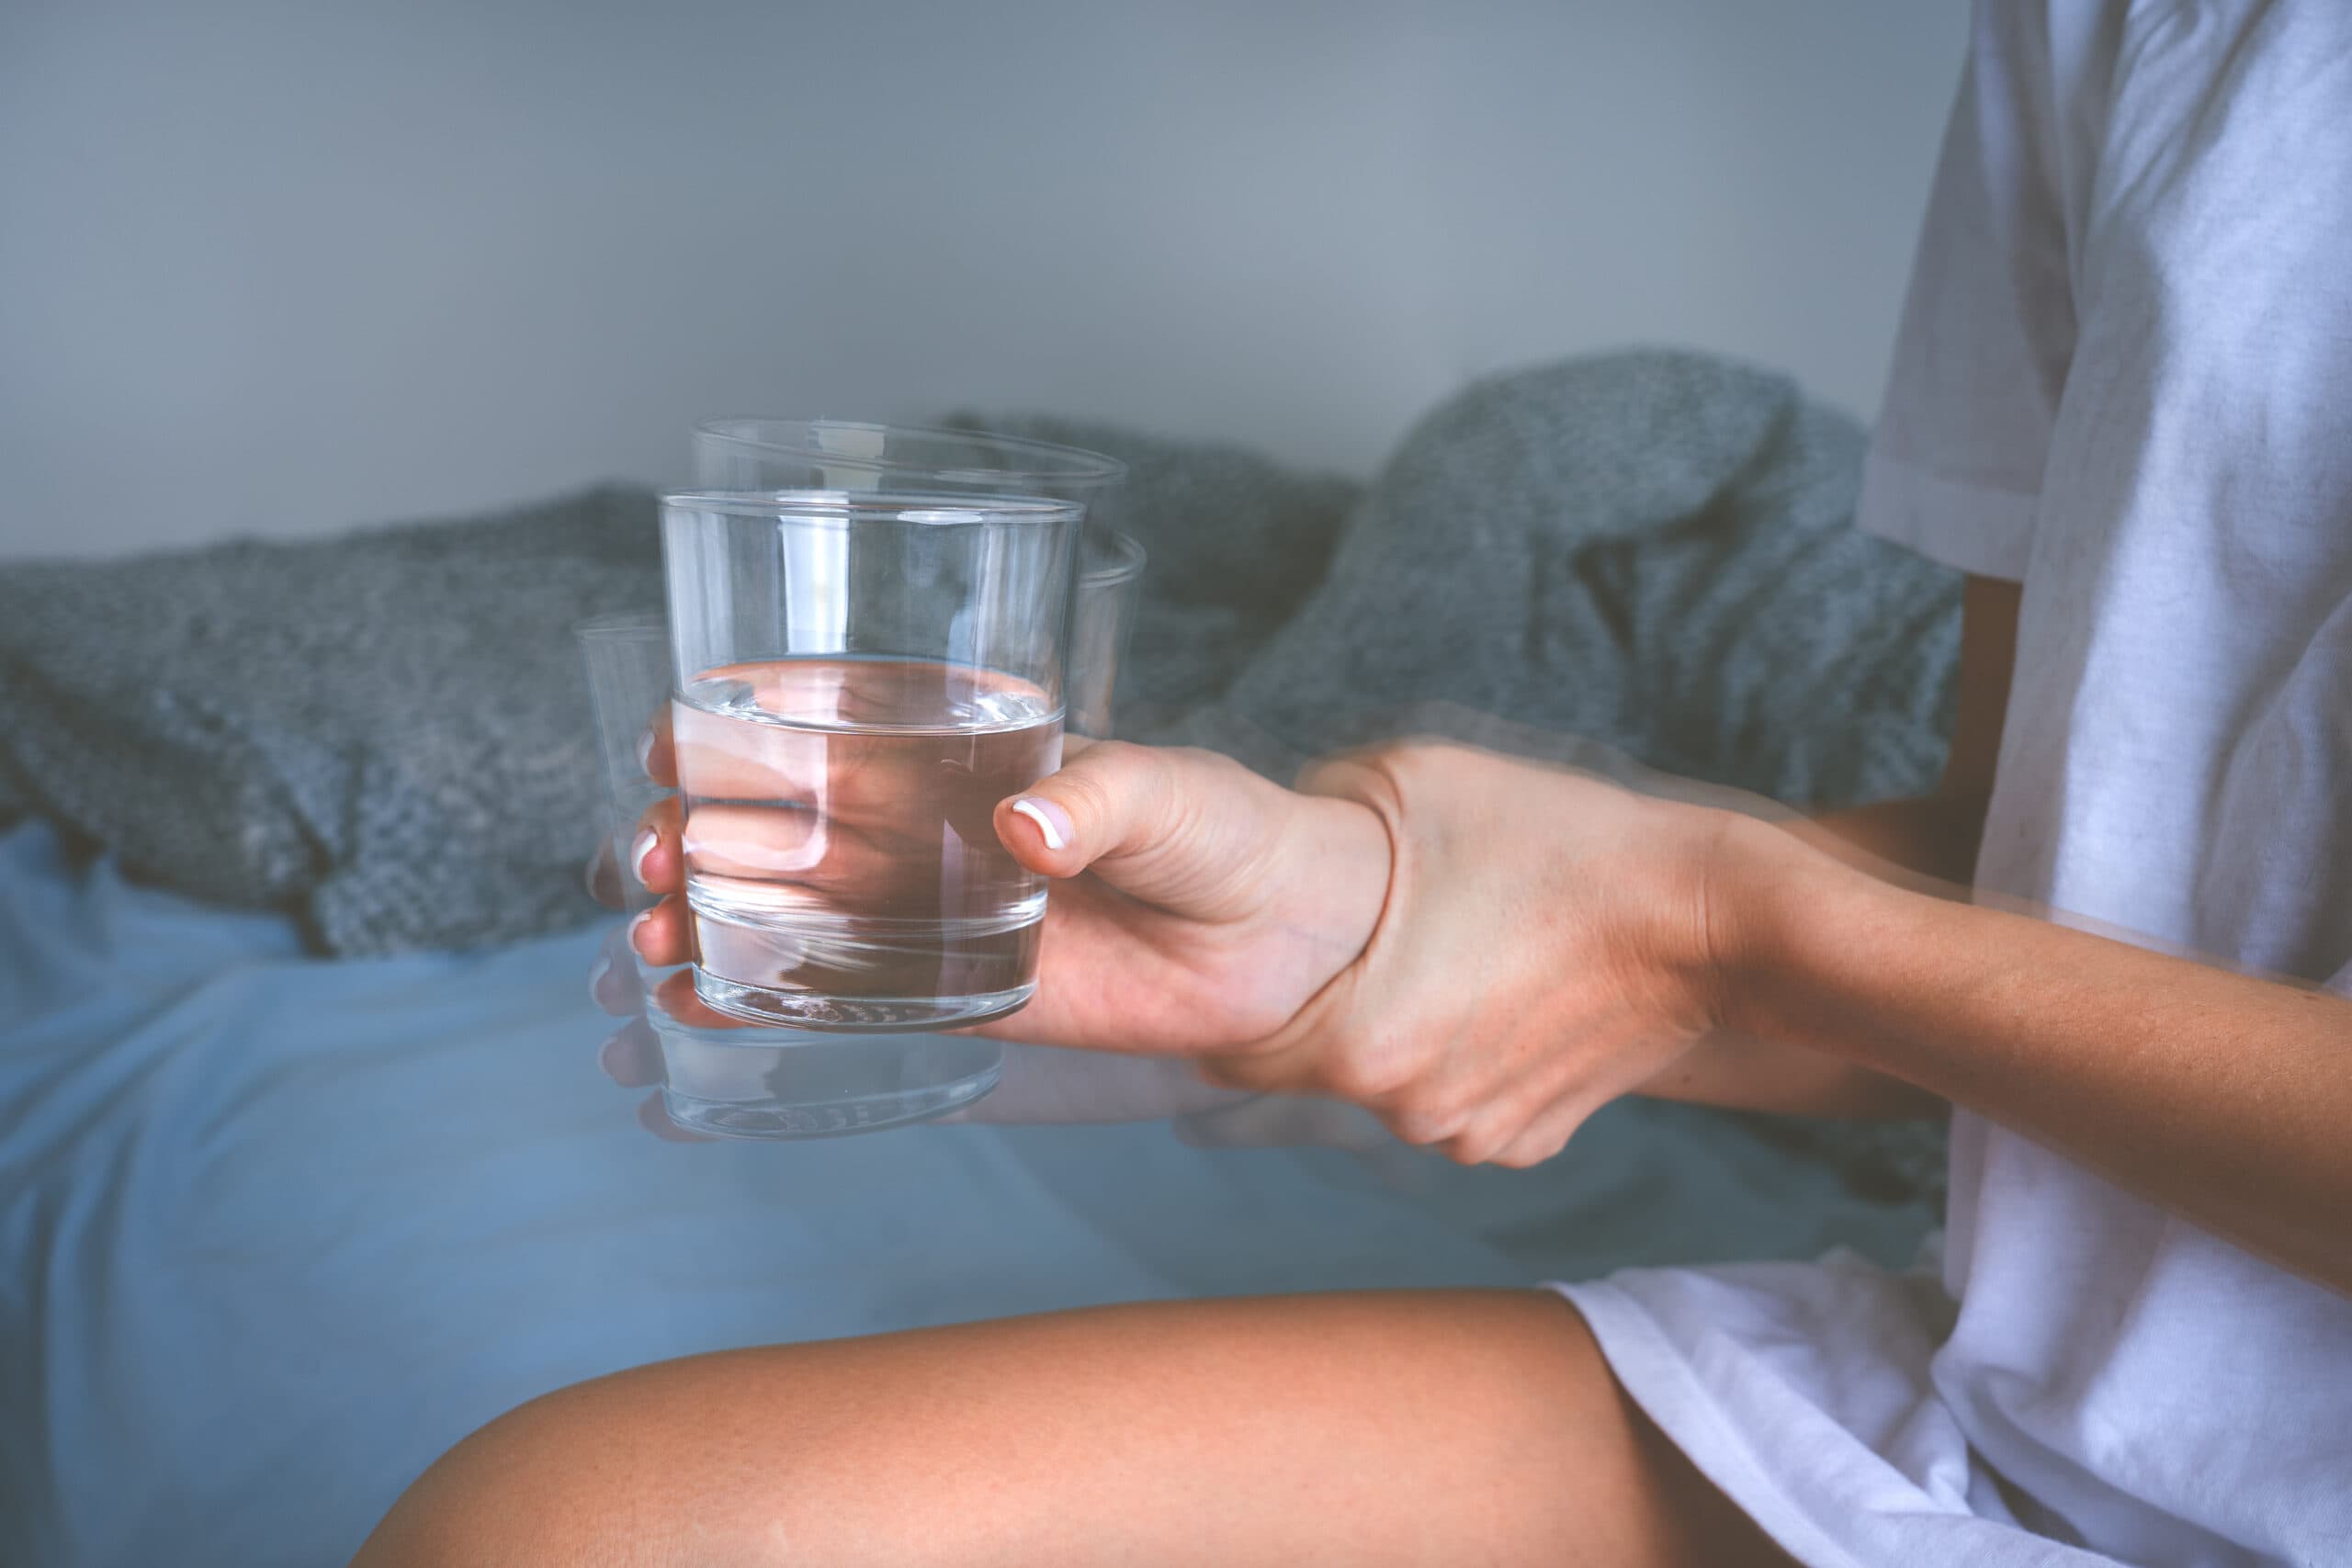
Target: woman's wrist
1776 906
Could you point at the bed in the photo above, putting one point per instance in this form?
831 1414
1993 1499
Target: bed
280 1229
280 1226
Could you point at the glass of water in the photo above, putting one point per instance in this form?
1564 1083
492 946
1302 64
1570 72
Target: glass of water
763 454
747 1082
860 678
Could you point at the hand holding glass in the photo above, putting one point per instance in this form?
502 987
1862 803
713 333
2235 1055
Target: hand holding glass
860 679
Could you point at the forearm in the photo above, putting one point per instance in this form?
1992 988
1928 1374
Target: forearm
1927 843
2222 1096
1932 837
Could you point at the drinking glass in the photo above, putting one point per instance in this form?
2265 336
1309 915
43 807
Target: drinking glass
765 455
861 677
1102 618
750 1082
769 455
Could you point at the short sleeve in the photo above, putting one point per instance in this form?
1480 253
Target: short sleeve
1955 467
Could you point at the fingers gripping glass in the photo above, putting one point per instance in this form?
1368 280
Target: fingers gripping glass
787 1083
859 679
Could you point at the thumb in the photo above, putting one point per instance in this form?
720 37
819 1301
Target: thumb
1175 827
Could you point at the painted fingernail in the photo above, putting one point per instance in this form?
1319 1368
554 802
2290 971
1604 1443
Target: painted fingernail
1053 822
645 839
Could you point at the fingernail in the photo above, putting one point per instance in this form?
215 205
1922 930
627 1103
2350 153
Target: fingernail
645 839
1053 822
645 752
608 1057
636 930
602 966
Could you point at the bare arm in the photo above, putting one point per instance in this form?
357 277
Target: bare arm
2221 1096
1923 842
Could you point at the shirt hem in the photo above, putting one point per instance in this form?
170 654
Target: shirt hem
1640 1359
1974 528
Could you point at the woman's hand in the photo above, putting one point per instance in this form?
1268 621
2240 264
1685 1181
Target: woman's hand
1545 948
1481 951
1213 906
1228 957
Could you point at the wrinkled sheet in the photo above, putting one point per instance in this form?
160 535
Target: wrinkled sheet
278 1230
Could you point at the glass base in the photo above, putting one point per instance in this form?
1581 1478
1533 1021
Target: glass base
854 1015
734 1084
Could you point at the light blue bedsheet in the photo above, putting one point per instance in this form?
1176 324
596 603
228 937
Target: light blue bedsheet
278 1230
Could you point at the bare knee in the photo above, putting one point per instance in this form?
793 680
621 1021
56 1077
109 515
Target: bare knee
581 1478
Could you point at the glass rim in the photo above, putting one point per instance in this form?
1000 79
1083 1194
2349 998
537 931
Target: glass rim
1050 462
948 509
1128 549
621 624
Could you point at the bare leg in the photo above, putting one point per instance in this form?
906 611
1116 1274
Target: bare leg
1453 1427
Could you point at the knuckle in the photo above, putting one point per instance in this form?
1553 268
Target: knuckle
1467 1148
1498 1134
1107 758
1187 775
1423 1129
1390 775
1366 1072
1412 762
1197 757
1087 789
1427 1113
1117 781
1545 1135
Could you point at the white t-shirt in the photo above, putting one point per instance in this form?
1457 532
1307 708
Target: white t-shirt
2125 379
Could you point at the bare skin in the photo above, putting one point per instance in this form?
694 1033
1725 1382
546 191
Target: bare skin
1505 982
1455 1427
1460 1428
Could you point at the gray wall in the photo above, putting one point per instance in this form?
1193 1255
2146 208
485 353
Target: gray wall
282 265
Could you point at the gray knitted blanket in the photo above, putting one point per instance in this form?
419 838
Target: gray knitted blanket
1652 550
388 733
385 733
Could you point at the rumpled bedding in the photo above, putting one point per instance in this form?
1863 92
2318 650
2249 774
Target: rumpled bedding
277 1226
386 734
277 1230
